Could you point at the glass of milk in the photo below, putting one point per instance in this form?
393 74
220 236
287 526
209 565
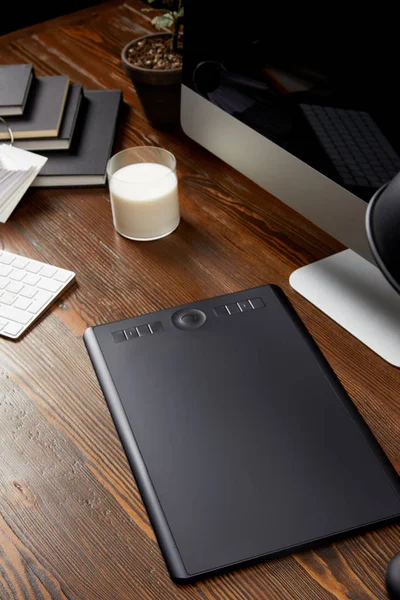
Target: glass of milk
144 192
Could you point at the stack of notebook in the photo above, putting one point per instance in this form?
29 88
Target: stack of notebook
72 127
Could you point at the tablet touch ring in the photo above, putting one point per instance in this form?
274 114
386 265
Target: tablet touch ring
188 318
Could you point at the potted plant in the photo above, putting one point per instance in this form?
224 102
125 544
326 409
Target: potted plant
154 64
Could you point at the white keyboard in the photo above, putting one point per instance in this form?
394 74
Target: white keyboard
27 287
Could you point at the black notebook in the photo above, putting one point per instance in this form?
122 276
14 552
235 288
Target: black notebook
15 82
86 161
43 111
243 442
64 138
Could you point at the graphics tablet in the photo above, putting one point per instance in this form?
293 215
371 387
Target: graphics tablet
243 443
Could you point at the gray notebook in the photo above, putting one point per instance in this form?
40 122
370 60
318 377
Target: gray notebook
86 161
15 82
43 111
64 138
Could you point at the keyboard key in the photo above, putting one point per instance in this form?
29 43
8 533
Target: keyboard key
6 258
17 274
49 285
39 300
7 298
20 262
3 322
28 291
12 328
5 270
14 287
33 266
62 276
31 279
48 271
4 282
22 303
14 314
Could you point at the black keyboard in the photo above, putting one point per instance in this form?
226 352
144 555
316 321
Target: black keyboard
357 148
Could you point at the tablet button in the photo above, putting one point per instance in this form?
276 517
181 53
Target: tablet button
119 336
131 333
233 308
244 305
256 302
156 327
143 330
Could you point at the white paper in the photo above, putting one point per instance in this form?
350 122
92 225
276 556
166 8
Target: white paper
18 168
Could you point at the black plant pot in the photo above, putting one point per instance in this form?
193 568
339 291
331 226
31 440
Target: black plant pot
159 91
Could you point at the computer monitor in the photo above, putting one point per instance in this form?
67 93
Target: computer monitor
306 105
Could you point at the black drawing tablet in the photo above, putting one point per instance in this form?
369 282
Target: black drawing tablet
242 441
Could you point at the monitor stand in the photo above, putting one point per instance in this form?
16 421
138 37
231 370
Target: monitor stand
356 295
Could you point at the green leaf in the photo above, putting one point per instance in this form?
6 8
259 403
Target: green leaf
163 10
180 13
166 20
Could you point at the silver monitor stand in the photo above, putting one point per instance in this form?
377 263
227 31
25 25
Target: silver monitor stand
355 294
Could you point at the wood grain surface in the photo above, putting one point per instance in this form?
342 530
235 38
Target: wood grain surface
72 523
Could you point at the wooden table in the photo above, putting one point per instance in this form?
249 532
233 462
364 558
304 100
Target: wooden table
72 521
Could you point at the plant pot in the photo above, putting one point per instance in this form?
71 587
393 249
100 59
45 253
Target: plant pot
159 91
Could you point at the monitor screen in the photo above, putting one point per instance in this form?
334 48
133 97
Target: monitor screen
319 85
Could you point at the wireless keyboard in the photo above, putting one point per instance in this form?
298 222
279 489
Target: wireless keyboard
27 288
